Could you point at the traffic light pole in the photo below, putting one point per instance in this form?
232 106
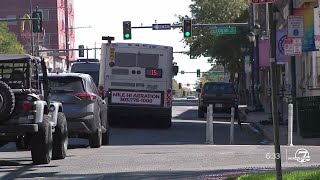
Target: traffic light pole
66 20
199 25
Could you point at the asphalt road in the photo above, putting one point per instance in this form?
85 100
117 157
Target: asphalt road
176 153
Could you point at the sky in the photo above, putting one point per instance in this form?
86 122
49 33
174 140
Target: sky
105 18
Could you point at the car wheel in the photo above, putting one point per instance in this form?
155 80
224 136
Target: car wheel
41 146
95 139
60 138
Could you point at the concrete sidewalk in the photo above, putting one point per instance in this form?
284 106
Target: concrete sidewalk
254 118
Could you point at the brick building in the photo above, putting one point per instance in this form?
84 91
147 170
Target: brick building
54 25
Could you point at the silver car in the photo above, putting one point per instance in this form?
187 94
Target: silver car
85 110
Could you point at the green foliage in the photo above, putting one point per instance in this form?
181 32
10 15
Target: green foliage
294 175
225 48
8 41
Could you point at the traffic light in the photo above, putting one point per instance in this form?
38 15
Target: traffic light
126 30
187 28
180 86
198 72
37 23
81 50
192 54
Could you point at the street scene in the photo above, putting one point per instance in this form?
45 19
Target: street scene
190 89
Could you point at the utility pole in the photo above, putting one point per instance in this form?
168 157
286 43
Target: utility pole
271 29
87 52
66 19
31 31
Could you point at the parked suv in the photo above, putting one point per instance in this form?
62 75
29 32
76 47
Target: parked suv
27 116
221 95
85 110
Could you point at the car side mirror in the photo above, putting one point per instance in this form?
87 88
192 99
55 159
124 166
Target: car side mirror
198 90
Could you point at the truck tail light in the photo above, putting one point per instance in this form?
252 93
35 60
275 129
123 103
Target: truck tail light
27 106
169 97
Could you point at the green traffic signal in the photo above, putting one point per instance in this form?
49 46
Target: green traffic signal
126 30
127 36
187 28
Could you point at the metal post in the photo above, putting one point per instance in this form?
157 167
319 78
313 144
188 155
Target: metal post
66 20
290 124
32 35
87 52
232 126
271 27
293 77
209 127
95 50
252 75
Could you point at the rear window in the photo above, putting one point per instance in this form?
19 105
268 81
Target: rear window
67 84
218 87
93 74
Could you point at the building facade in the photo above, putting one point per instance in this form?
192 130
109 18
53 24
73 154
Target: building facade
54 27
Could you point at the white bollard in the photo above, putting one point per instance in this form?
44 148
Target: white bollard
232 126
290 124
209 128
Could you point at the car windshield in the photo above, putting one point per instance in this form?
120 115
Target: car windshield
66 84
218 88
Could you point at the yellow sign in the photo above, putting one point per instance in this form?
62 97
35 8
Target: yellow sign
112 55
23 22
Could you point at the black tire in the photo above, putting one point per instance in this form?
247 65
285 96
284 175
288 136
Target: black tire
60 138
41 145
95 139
106 137
200 113
7 101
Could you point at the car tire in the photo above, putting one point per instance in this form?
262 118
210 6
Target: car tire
60 138
200 113
106 137
95 139
7 101
41 147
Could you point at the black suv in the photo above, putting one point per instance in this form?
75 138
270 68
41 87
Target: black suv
27 116
221 95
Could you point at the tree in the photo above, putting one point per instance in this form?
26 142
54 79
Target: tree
9 42
226 49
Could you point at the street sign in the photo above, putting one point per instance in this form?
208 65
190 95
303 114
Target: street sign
161 26
223 30
56 53
292 46
261 1
295 26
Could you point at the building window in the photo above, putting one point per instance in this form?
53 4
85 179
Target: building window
46 40
10 23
